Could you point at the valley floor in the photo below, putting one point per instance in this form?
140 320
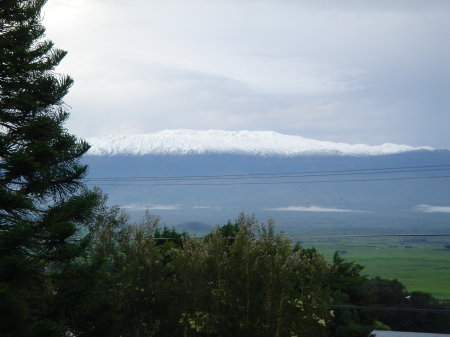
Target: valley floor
421 264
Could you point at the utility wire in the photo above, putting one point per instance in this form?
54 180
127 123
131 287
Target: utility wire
272 183
265 175
370 235
358 307
328 236
275 176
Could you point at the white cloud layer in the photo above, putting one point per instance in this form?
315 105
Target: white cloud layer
432 209
313 208
135 207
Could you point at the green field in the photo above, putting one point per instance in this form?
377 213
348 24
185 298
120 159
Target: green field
421 264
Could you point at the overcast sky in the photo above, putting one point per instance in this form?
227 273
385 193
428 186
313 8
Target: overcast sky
352 71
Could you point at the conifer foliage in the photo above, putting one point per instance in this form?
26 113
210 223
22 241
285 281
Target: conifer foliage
42 204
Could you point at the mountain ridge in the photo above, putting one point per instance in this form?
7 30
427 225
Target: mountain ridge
259 143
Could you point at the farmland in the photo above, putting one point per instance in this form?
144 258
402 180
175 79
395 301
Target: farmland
421 264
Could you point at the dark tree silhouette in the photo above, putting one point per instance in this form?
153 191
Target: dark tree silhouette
42 204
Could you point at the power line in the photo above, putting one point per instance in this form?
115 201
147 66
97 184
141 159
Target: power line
272 183
370 235
325 236
359 307
263 175
275 176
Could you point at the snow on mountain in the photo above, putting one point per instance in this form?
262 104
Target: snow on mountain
183 142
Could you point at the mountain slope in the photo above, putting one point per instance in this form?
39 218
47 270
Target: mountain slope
184 142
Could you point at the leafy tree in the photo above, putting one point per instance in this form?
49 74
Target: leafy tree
168 237
347 287
229 230
392 293
389 293
42 204
135 283
254 285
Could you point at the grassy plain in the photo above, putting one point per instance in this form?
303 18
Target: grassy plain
421 264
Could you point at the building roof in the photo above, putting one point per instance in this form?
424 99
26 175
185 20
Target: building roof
378 333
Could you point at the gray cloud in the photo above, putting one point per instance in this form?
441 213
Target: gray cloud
135 207
367 72
313 208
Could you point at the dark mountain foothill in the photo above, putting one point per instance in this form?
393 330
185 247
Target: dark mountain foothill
376 192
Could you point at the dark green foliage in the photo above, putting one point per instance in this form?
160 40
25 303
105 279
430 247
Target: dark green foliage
168 237
230 230
391 293
386 292
41 203
254 285
347 287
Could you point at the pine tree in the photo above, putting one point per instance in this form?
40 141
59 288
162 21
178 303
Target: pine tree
42 200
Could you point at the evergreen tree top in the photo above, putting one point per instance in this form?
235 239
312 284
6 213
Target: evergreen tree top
38 157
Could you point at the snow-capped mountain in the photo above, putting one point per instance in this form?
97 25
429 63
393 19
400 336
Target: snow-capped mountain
191 142
305 184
